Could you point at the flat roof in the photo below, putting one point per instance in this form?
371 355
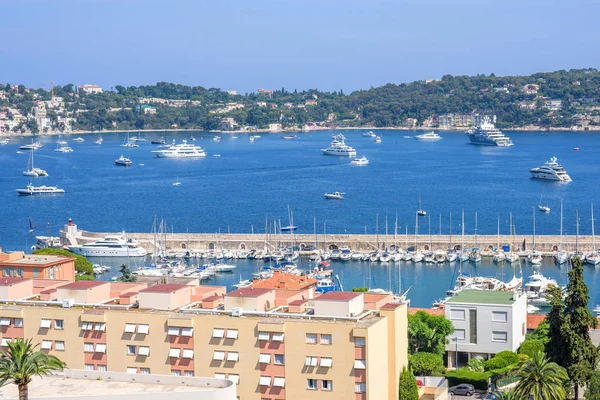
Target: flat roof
249 292
483 297
38 259
164 288
10 280
82 285
338 296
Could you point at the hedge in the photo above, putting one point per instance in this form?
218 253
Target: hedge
501 360
477 379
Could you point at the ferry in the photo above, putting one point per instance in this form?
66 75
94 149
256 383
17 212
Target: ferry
182 150
339 148
486 134
551 170
110 246
31 190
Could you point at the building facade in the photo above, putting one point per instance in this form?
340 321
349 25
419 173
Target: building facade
37 266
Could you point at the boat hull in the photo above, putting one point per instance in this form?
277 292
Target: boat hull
108 252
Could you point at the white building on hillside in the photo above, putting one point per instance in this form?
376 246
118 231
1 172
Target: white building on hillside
486 322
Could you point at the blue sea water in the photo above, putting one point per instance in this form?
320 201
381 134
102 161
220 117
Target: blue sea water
249 181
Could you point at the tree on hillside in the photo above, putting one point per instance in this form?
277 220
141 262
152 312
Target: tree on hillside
20 363
541 378
428 333
408 385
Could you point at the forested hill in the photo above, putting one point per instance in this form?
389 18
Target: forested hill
555 99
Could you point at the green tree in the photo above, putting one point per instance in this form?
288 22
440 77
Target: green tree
476 364
428 333
408 389
126 275
541 378
82 265
531 346
555 346
593 388
427 364
501 360
20 363
540 333
507 395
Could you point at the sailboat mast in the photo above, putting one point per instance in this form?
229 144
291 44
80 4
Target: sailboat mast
429 219
440 224
498 245
450 230
396 233
315 229
476 229
416 228
593 236
377 230
386 233
533 238
561 225
462 243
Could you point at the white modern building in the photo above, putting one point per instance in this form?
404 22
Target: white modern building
486 322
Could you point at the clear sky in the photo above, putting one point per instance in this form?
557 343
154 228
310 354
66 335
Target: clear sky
296 44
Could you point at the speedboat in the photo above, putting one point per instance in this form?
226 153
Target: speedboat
31 190
288 228
289 137
486 134
545 209
339 148
431 136
346 254
99 140
440 256
110 246
335 196
369 134
182 150
360 161
216 139
79 139
551 170
429 257
123 161
377 139
356 256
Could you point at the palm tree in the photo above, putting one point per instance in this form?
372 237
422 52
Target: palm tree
507 395
541 378
20 363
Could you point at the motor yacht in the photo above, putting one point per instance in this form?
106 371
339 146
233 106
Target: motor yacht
377 139
551 170
159 141
63 149
338 147
110 246
335 196
183 150
486 134
79 139
369 134
124 161
430 136
31 190
360 161
31 146
536 289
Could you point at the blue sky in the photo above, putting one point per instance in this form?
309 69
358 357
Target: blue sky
296 44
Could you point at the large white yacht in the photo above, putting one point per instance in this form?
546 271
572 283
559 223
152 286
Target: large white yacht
31 146
110 246
487 134
31 190
182 150
339 148
428 136
551 170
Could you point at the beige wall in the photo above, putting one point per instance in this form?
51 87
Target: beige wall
165 300
16 290
263 302
92 295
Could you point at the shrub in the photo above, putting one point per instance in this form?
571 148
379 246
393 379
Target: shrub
408 386
530 347
463 375
82 265
362 289
476 364
84 278
501 360
427 364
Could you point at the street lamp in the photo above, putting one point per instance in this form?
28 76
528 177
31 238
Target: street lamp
454 338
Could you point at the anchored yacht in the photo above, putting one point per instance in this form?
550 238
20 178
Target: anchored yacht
339 148
123 161
182 150
110 246
487 134
551 170
31 190
428 136
360 161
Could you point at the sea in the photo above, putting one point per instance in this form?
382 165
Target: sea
241 183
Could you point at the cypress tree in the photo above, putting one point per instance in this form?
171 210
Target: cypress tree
556 346
408 385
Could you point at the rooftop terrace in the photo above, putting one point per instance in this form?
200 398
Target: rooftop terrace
483 297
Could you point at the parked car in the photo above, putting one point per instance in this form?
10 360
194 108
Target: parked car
464 389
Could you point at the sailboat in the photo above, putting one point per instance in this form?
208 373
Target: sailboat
420 211
594 257
512 256
499 253
464 254
543 208
31 225
417 256
129 143
60 141
99 140
31 170
177 182
561 256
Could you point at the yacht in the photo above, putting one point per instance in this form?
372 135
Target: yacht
159 141
60 141
99 140
431 136
551 170
110 246
339 148
130 144
182 150
123 161
360 161
31 190
369 134
63 149
79 139
377 139
216 139
31 170
486 134
31 146
537 288
335 196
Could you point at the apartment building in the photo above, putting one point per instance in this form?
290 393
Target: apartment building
272 346
486 322
37 266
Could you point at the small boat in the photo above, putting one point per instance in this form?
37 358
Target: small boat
60 141
159 141
369 134
288 228
360 161
430 136
251 139
335 196
216 139
176 183
99 140
79 139
576 148
63 149
124 161
289 137
243 283
545 209
377 139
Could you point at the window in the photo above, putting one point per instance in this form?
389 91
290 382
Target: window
264 336
87 326
88 347
359 342
278 359
325 339
174 353
35 273
189 373
326 385
5 342
264 359
459 334
143 329
46 344
145 371
232 333
131 370
473 326
100 326
265 381
100 348
219 376
176 372
233 356
59 345
102 368
4 321
219 355
144 351
187 332
173 331
235 378
218 333
311 384
360 388
457 314
131 350
311 361
360 364
326 362
18 322
499 316
89 367
188 353
278 337
311 338
499 337
45 323
59 324
129 328
279 382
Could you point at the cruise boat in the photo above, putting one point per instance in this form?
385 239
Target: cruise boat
31 190
110 246
79 139
551 170
31 170
63 149
31 146
182 150
431 136
486 134
339 148
335 196
123 161
360 161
